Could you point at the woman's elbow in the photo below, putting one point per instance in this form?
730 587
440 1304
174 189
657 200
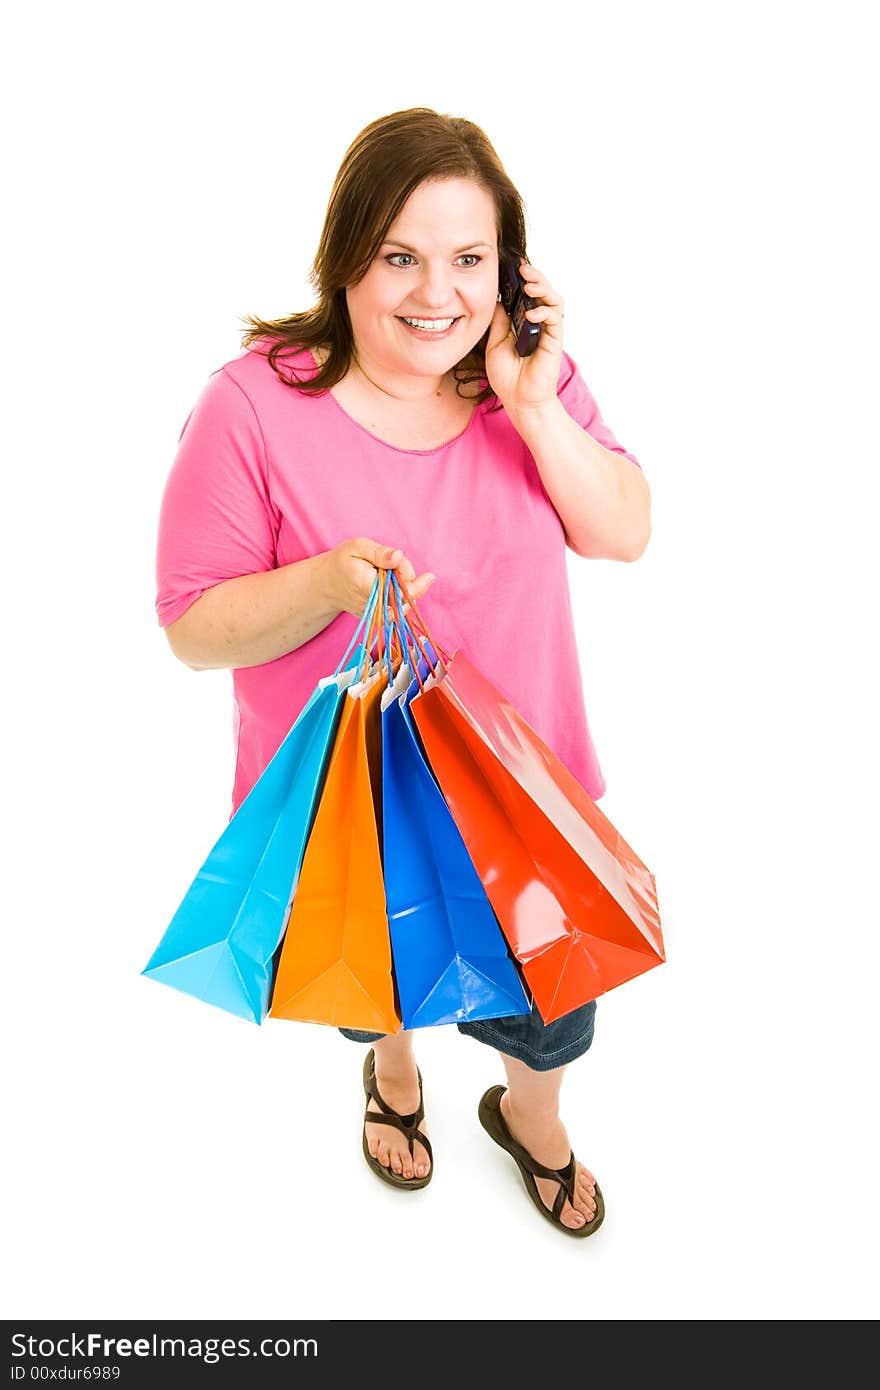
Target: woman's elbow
636 551
177 634
640 529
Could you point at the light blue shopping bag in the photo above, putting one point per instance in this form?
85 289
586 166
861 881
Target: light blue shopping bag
220 944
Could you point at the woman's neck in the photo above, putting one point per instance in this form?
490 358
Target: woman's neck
398 388
406 389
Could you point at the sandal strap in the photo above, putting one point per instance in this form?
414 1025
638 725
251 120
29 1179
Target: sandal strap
407 1124
559 1202
417 1115
564 1176
412 1132
391 1117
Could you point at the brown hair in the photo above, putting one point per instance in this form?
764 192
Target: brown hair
383 165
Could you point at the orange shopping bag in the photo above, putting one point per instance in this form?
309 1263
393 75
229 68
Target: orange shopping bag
576 903
335 962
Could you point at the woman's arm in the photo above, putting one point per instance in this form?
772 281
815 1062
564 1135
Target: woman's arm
256 618
603 498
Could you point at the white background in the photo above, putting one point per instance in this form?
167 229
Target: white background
698 183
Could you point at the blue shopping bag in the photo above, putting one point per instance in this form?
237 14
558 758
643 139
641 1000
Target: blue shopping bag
451 960
221 941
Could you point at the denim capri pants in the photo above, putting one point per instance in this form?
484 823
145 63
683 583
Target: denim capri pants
542 1046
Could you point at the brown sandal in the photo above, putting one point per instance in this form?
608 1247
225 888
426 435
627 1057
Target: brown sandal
494 1124
408 1124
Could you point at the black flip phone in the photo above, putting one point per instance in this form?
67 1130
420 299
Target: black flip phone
516 301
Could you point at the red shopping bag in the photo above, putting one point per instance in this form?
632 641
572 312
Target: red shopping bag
576 903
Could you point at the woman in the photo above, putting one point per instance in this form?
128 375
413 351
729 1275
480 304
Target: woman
394 425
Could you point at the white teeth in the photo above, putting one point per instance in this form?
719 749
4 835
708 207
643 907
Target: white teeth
432 325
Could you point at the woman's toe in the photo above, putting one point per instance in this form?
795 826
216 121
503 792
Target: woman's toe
584 1194
571 1217
585 1179
585 1205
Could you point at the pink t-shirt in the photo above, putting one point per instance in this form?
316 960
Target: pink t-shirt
265 475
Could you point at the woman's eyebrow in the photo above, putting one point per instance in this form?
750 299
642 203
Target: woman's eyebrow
474 245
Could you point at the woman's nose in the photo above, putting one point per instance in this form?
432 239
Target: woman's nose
435 288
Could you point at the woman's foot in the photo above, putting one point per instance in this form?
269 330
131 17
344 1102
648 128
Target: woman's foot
398 1085
545 1138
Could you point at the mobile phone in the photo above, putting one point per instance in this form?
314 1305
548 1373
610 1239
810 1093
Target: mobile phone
515 301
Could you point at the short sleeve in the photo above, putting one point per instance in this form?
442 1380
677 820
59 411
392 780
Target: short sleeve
216 518
575 395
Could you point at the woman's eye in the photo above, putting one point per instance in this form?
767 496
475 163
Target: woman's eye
397 256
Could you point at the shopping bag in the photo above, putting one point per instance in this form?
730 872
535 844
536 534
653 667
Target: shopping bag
220 944
576 903
335 962
451 961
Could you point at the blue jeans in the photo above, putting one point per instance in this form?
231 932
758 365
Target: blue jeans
542 1046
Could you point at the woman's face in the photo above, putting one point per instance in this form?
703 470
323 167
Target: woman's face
438 263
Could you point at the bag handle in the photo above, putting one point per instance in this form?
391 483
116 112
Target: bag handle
416 621
378 630
409 636
366 617
401 637
391 631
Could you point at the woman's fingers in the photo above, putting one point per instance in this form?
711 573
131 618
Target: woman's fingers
420 586
416 586
389 557
405 570
417 589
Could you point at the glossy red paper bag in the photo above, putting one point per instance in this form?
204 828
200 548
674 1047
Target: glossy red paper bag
576 903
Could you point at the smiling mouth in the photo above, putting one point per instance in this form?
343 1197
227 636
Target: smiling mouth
429 325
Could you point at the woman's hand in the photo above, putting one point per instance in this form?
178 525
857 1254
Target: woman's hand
351 570
521 383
